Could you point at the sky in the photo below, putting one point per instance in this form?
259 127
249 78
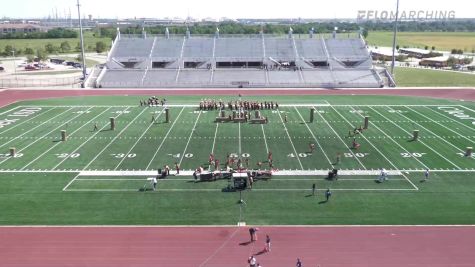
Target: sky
225 8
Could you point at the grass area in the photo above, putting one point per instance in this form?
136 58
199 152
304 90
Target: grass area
426 77
54 181
441 40
89 41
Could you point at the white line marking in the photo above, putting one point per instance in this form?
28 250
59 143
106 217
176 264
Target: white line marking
36 127
239 138
290 139
422 142
10 110
452 119
265 139
439 125
214 139
70 182
85 142
40 138
390 162
394 141
21 123
24 167
189 138
112 141
254 189
138 140
165 138
462 107
318 143
279 173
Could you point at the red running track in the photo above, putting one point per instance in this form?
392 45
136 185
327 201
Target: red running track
230 247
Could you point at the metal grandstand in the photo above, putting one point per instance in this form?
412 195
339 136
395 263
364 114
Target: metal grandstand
332 61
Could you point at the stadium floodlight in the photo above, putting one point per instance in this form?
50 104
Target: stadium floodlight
393 63
82 45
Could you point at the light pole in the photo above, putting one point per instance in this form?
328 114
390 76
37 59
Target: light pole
82 45
394 39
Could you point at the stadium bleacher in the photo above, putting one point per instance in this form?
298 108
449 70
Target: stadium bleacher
231 61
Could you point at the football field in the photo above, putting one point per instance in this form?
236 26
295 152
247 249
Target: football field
105 165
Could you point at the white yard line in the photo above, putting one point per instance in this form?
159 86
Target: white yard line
315 138
469 109
290 139
138 140
21 123
85 142
43 136
239 138
381 153
10 110
36 127
191 179
351 151
70 182
394 141
113 140
265 139
214 139
186 105
254 189
443 126
452 119
433 150
24 167
165 138
189 138
277 173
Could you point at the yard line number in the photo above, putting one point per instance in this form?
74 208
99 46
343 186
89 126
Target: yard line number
17 155
413 155
66 155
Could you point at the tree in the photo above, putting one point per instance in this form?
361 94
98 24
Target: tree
433 47
8 50
65 47
100 47
30 58
451 61
397 47
29 51
365 33
426 47
41 54
50 48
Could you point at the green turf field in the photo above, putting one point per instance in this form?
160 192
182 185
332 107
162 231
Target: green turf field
96 177
445 41
412 77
